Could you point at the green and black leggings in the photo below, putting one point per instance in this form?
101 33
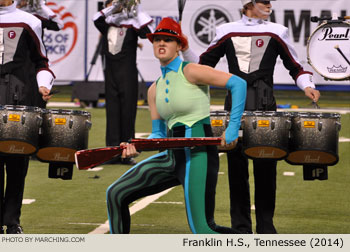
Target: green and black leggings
195 169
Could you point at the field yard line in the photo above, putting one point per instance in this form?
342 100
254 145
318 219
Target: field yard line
344 140
104 228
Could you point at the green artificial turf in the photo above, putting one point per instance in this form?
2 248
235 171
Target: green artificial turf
79 205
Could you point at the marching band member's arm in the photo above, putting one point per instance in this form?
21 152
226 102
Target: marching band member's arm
56 22
200 74
303 79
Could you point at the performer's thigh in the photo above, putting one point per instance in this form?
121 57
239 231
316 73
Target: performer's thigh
142 180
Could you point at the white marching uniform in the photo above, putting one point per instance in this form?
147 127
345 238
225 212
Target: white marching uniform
20 43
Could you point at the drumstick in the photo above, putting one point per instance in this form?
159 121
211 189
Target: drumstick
342 54
52 92
181 6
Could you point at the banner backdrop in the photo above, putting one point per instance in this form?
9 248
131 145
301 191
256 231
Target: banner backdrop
72 49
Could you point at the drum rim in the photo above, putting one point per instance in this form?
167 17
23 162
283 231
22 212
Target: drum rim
21 108
266 113
308 53
66 112
315 115
219 112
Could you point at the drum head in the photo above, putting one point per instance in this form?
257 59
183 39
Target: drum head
323 54
17 147
56 154
265 152
312 157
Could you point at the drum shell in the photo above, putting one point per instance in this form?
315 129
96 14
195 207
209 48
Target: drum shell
318 139
219 121
265 134
63 131
19 129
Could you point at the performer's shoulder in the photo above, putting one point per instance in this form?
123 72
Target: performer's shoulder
27 18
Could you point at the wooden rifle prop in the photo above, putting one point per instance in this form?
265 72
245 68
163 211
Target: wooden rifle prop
85 159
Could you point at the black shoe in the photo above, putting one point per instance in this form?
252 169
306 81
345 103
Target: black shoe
128 161
14 229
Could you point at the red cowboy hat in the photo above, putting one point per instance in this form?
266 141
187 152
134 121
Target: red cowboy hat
168 27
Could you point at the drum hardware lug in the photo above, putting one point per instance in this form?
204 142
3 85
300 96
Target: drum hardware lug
338 125
254 123
88 124
4 118
242 124
288 124
273 123
24 118
320 124
39 120
299 125
70 123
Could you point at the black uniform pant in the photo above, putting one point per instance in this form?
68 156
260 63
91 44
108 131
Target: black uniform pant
16 170
121 91
13 92
264 196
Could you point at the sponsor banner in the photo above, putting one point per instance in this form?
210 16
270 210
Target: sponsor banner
200 17
65 49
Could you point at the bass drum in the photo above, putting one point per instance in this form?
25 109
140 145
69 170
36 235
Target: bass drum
63 133
265 134
314 138
328 50
19 129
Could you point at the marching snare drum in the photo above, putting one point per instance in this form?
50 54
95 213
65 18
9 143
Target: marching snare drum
19 129
265 134
219 121
63 133
314 138
328 50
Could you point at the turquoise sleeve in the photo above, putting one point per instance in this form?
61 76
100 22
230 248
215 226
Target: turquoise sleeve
238 88
159 129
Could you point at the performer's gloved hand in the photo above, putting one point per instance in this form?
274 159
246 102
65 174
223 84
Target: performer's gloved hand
159 129
238 89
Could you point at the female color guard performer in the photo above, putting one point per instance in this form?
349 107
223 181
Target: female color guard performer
179 101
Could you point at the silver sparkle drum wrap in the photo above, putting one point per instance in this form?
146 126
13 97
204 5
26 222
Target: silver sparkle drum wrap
219 121
265 134
63 133
314 138
19 129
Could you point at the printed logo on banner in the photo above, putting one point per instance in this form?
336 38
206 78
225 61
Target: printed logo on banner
60 44
205 20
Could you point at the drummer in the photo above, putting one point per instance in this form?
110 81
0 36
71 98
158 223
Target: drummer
179 100
21 36
251 46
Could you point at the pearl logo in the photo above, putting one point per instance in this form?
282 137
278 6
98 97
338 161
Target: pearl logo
259 43
12 34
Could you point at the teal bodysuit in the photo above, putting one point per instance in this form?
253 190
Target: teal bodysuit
185 107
